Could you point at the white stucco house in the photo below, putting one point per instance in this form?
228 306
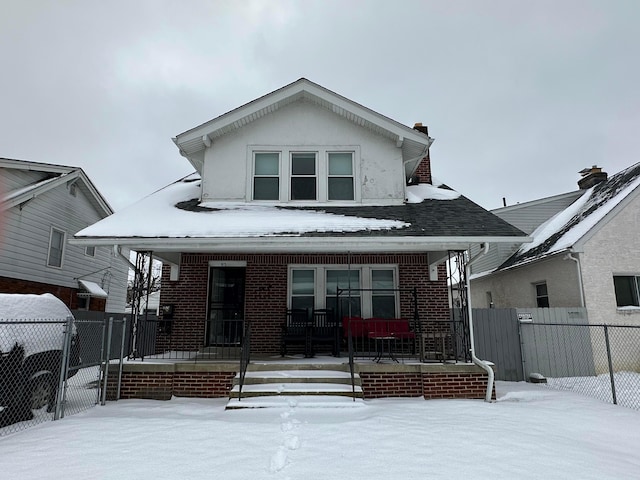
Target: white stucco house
41 207
585 252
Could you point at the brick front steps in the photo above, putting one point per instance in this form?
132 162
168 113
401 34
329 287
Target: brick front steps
161 381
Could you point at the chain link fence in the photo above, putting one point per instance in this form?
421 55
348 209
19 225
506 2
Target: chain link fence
601 361
49 369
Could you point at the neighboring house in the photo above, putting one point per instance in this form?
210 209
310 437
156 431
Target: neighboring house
295 195
42 207
585 252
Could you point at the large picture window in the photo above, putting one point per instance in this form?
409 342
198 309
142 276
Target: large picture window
627 290
373 289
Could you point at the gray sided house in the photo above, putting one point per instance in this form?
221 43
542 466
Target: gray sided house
42 207
585 252
301 200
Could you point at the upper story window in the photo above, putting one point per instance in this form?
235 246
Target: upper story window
340 179
303 176
627 290
56 248
300 173
266 176
90 251
542 296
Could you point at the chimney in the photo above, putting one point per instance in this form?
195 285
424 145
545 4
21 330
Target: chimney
423 172
591 176
424 129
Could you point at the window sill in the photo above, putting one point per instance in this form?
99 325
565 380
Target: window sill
628 310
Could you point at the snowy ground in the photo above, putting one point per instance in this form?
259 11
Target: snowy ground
530 432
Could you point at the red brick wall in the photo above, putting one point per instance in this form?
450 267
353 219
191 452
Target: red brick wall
266 293
163 385
202 384
69 296
424 170
381 385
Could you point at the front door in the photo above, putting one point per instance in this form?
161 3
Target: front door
226 305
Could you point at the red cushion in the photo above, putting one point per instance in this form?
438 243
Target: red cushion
358 326
378 327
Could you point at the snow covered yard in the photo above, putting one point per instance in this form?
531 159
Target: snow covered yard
530 432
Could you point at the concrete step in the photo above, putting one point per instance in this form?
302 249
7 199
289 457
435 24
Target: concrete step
288 401
298 376
302 364
295 389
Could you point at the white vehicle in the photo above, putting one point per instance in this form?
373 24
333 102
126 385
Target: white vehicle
31 342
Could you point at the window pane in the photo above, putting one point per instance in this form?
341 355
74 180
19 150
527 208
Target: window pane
303 188
625 288
266 164
301 302
302 282
541 289
382 278
340 164
340 188
266 188
347 308
303 164
384 306
340 278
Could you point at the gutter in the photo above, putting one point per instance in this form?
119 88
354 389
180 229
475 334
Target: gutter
569 256
481 363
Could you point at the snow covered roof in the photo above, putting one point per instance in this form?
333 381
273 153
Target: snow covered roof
93 289
174 214
565 229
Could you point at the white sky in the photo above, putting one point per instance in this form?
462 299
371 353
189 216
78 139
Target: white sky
531 432
519 95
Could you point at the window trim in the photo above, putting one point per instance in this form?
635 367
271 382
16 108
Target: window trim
322 171
320 287
254 176
86 251
62 251
636 293
352 176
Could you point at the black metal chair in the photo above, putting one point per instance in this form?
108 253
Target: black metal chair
297 330
326 331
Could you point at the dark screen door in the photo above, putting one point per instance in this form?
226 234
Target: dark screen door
226 305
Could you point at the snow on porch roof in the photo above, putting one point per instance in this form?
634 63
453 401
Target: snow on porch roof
93 289
173 215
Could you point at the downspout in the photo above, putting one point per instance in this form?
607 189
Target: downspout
569 256
481 363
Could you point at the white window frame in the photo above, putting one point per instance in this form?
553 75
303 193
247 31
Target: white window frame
90 251
636 293
64 241
315 176
322 171
352 176
252 169
538 296
320 287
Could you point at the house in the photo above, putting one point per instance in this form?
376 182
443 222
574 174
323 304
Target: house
298 197
42 207
584 253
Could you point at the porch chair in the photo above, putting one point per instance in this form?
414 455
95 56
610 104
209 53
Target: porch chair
326 331
297 330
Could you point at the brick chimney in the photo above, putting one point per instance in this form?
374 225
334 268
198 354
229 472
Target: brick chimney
423 172
591 176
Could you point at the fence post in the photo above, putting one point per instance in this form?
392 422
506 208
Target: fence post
124 330
100 370
106 366
64 367
613 382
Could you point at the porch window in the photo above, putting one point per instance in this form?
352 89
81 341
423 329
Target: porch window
542 296
266 179
303 289
350 303
373 289
383 301
627 289
303 176
340 181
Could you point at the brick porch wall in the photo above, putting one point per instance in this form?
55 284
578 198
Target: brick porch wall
162 381
266 293
69 296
